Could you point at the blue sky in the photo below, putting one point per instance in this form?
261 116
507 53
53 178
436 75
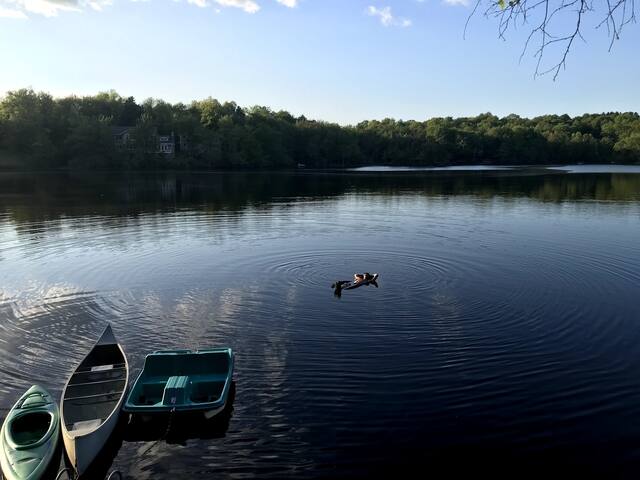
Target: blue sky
335 60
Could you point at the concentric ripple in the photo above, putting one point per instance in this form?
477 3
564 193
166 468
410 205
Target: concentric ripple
501 322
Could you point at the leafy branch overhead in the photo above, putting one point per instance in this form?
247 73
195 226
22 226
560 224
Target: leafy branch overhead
555 25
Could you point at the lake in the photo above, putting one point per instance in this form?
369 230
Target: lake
504 334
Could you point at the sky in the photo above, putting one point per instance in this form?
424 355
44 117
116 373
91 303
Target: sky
336 60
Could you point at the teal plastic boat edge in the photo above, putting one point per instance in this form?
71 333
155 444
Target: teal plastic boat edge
30 436
182 380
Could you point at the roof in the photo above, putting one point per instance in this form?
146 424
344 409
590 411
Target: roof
119 131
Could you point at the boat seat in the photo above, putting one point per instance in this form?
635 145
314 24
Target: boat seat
207 391
114 366
86 425
102 368
175 392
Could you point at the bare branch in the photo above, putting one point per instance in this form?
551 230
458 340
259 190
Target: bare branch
547 32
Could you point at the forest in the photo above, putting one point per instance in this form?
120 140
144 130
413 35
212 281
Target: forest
38 131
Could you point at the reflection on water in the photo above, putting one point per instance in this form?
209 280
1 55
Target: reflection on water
600 168
505 326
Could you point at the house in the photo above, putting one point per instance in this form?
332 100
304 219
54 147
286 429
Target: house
167 144
124 139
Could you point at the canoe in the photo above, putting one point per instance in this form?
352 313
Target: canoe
30 436
92 400
181 381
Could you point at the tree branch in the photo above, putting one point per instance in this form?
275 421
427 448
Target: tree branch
548 30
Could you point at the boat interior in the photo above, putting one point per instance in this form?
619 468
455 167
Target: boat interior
30 428
95 388
182 378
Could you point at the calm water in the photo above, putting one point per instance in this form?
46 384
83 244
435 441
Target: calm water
504 335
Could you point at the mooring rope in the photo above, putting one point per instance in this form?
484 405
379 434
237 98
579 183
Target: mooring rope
163 437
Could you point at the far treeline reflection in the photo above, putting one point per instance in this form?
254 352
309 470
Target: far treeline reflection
41 197
110 132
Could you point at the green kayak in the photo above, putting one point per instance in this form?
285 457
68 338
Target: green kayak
30 435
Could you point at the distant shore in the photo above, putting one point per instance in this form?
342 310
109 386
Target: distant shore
365 170
110 132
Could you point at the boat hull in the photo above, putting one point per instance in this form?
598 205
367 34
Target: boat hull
83 449
183 381
92 401
30 459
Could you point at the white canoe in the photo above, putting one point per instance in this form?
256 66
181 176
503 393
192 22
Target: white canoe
92 399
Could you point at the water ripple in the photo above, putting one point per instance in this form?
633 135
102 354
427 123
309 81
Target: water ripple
509 323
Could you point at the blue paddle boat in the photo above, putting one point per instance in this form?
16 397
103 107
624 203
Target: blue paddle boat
183 381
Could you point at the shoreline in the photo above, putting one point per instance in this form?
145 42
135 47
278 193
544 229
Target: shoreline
367 169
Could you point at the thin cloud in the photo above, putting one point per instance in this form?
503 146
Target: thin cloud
387 18
10 13
47 8
248 6
22 9
453 3
98 5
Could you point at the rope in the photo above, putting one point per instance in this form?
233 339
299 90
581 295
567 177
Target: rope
115 472
163 437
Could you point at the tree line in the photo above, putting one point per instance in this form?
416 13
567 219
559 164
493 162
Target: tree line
38 131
